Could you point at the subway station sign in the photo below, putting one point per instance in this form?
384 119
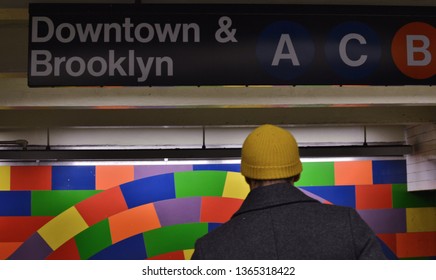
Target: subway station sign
198 45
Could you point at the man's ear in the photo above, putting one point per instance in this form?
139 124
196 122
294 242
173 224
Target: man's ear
296 178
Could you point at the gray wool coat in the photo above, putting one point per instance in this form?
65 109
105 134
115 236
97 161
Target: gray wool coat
281 222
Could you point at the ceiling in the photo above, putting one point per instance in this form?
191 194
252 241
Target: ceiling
25 107
24 3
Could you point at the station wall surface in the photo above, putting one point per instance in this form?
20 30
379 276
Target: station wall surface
158 211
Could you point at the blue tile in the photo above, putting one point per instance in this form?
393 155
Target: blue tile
213 226
15 203
149 190
338 195
132 248
220 167
389 171
73 178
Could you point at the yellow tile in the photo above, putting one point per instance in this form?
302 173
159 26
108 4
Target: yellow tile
188 253
235 186
5 178
63 227
421 219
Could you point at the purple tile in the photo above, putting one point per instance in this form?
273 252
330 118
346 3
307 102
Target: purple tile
385 220
178 211
34 248
144 171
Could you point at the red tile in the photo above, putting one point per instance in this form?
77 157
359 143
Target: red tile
68 251
18 229
374 197
390 239
102 205
416 244
218 209
7 248
30 177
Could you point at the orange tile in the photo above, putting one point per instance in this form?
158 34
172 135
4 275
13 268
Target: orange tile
109 176
218 209
133 221
30 177
353 172
68 251
7 248
374 197
102 206
416 244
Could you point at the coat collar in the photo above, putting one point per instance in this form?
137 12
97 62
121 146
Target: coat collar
271 196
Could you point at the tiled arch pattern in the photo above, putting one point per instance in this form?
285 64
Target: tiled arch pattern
70 212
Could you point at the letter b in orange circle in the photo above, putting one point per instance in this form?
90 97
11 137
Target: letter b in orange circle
414 50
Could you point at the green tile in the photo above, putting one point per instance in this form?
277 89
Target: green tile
52 203
404 199
173 238
317 174
199 183
93 239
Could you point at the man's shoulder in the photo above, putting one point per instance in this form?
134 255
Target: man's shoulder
307 213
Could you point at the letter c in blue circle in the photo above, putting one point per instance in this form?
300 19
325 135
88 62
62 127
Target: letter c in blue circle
353 50
285 50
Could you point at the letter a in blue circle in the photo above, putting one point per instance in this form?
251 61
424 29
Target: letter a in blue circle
285 50
353 50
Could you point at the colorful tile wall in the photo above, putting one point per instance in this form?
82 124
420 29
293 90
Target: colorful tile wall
134 212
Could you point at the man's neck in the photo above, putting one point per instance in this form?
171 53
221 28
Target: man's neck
260 183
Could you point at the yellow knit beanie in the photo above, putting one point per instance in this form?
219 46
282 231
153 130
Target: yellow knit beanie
270 152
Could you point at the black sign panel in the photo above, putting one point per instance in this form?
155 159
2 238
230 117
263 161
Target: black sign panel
176 45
